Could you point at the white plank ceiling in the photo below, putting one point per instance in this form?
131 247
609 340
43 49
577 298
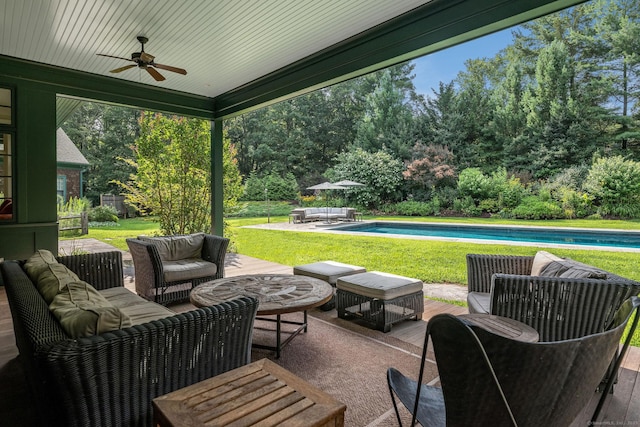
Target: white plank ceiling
221 43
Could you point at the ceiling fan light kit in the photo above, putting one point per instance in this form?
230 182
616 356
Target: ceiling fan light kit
145 61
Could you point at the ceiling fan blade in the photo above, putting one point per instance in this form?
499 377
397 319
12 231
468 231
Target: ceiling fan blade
155 74
111 56
126 67
146 57
170 68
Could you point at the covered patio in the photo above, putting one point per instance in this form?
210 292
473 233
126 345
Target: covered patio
329 340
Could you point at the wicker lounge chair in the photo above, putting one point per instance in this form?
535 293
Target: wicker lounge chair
166 275
491 380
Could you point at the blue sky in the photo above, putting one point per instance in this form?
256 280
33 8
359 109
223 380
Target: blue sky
443 66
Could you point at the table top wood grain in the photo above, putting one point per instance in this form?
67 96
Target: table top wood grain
276 293
503 326
260 393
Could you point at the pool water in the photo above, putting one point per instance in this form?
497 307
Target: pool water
582 237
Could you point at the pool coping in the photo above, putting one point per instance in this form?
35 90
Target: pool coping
331 229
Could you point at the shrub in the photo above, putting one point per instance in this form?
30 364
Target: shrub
512 194
413 208
533 207
466 206
278 187
473 183
615 184
103 213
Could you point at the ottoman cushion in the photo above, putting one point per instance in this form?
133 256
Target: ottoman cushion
376 284
329 271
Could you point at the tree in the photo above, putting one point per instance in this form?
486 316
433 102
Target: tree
431 167
380 172
103 133
173 178
388 121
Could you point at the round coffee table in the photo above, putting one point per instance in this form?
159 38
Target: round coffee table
277 294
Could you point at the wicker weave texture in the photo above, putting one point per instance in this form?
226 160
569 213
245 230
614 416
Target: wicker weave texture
480 269
111 379
149 272
381 314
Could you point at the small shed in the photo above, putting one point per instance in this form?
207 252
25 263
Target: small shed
71 166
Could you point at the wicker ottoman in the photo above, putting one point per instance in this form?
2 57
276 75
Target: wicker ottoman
379 299
329 271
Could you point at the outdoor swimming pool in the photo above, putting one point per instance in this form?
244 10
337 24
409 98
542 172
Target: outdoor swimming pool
566 236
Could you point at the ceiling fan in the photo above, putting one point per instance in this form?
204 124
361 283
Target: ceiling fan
146 61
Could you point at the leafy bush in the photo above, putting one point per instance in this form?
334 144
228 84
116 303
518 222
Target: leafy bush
466 206
512 193
615 184
473 183
575 204
103 213
74 205
413 208
380 172
278 187
533 207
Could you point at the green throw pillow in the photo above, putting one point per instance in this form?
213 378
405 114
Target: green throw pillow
83 311
53 279
38 262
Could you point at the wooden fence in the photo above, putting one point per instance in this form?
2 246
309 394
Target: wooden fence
66 219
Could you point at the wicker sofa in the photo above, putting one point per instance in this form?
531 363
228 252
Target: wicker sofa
110 379
168 267
560 298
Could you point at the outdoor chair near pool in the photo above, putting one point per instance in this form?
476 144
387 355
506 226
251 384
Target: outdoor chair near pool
488 379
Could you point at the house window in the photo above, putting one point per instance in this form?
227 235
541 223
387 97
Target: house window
61 188
7 141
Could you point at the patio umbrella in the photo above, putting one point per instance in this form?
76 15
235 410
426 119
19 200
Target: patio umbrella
327 186
346 183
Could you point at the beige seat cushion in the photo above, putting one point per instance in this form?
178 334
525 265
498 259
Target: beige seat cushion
83 311
376 284
329 271
138 309
541 260
479 302
173 248
187 269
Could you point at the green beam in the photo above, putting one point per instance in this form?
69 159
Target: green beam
217 186
434 26
108 89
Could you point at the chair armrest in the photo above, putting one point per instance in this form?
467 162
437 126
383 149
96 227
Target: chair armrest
99 379
214 249
480 269
559 308
101 270
149 271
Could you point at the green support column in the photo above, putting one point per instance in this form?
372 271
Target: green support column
217 188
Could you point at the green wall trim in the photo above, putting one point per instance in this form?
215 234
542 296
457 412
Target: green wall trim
434 26
108 89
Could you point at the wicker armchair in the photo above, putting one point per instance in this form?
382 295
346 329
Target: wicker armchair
153 280
110 379
491 380
558 308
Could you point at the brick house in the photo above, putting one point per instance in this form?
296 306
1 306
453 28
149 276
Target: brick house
71 165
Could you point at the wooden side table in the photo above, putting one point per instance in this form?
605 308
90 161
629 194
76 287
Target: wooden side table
261 392
503 326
